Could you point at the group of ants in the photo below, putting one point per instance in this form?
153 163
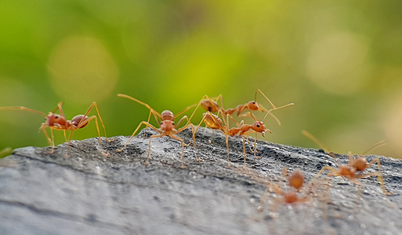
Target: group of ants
352 171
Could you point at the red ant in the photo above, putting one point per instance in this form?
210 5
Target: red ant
59 122
211 105
354 166
214 122
167 126
295 181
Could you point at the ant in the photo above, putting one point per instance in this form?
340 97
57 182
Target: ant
59 122
214 122
211 105
167 126
354 169
295 181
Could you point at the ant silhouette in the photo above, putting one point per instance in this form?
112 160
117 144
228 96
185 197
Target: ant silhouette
354 169
59 122
167 126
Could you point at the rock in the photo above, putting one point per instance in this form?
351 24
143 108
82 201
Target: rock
88 193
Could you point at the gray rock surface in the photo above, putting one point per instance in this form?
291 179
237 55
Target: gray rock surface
89 193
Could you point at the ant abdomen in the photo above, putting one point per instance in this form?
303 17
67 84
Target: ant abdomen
77 119
167 115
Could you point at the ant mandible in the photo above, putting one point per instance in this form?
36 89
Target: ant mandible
167 126
354 169
59 122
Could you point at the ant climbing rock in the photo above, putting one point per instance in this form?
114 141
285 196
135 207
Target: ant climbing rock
353 170
211 105
167 126
242 130
59 122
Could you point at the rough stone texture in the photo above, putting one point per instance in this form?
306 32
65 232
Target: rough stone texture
89 193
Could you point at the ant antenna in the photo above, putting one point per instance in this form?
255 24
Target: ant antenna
376 145
23 108
319 143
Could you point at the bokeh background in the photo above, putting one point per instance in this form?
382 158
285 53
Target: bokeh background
339 61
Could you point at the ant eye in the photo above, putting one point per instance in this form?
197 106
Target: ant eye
253 102
56 117
258 125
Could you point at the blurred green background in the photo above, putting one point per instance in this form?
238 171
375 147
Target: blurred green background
339 61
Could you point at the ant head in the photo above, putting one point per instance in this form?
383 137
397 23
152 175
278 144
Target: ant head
296 180
210 105
55 120
77 120
259 126
253 105
167 115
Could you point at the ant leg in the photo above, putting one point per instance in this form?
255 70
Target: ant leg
49 140
69 143
51 132
156 114
198 105
184 144
212 136
359 193
143 122
65 136
195 131
227 146
182 150
149 146
255 146
140 102
94 104
379 176
83 123
149 118
183 128
263 200
323 169
244 151
59 107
